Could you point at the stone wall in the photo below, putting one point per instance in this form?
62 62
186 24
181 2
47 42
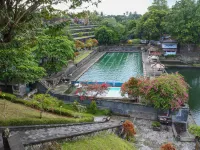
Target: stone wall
120 107
121 48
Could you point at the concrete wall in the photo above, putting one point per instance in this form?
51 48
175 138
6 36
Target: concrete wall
119 107
120 48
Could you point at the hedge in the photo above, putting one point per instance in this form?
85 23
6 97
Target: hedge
62 111
31 121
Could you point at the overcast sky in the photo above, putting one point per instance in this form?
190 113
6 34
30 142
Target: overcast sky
118 7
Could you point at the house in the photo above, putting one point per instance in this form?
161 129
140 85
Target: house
169 47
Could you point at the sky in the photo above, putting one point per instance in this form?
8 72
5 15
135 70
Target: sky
119 7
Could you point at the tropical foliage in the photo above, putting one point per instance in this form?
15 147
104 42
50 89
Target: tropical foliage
164 92
19 66
53 52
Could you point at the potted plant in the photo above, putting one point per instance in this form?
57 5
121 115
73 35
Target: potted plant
156 126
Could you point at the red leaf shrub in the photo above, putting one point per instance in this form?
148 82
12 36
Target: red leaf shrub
129 129
167 146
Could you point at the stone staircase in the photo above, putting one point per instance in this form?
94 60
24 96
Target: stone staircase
81 32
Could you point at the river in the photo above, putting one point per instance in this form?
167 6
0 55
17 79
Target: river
192 76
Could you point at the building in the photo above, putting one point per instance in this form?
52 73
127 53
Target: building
169 47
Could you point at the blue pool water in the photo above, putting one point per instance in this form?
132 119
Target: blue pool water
115 67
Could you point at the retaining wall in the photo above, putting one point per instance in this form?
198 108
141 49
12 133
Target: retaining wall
120 107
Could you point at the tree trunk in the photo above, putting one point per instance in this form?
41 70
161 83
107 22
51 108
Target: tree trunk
7 37
41 113
189 48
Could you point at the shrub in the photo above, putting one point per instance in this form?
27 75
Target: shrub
78 107
79 44
156 124
92 108
195 130
57 110
131 87
34 121
166 91
129 129
168 146
7 96
130 42
46 101
136 41
76 54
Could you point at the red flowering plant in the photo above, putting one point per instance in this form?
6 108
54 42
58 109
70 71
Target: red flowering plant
166 91
167 146
91 91
128 129
131 87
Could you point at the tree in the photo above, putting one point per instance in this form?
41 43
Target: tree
151 24
17 65
159 4
105 35
16 14
53 52
91 90
183 22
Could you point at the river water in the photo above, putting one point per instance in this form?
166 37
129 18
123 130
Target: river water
192 76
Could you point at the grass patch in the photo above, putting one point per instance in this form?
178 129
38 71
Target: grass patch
103 141
82 55
17 114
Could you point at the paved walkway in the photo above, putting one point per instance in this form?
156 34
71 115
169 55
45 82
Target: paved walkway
147 69
47 134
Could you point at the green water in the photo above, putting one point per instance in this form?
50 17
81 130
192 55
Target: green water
114 67
192 76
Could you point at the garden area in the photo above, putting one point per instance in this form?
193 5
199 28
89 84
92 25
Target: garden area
44 109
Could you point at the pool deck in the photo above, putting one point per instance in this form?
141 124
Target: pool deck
148 71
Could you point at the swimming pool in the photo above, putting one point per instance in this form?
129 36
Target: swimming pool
113 92
114 67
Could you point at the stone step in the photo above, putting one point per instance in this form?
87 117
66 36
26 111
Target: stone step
52 134
81 30
84 37
78 27
83 34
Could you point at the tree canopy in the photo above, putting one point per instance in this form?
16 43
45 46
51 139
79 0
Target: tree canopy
183 21
17 14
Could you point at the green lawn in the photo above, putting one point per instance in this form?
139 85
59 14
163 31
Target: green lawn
103 141
17 114
82 54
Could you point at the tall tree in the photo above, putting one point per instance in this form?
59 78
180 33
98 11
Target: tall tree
183 22
151 24
14 14
53 52
17 65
